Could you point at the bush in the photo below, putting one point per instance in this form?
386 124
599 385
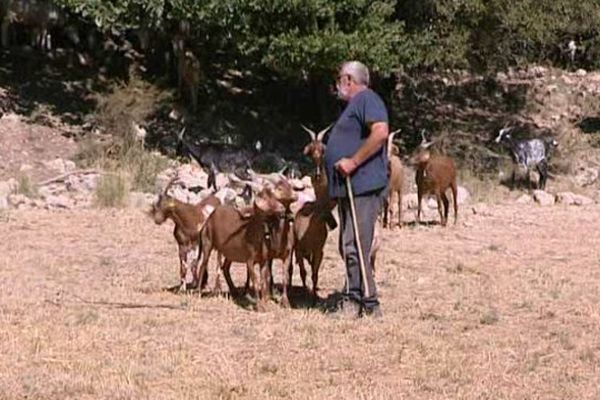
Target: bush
27 187
112 190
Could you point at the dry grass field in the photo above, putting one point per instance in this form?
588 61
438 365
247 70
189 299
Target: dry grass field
505 305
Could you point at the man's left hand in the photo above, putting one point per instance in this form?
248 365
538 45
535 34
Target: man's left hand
346 166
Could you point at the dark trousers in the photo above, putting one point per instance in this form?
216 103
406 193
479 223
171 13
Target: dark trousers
367 210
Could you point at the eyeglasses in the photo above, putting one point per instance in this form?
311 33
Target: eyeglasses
340 76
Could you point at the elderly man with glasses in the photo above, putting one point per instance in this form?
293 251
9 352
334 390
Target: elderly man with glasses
356 148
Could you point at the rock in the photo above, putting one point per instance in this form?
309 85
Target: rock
581 200
45 191
586 176
581 72
568 198
226 196
537 71
481 209
543 198
307 181
60 201
59 165
463 195
140 200
409 201
17 200
297 184
524 199
191 175
431 203
222 180
25 168
82 183
5 189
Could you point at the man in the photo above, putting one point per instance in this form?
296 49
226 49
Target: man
356 148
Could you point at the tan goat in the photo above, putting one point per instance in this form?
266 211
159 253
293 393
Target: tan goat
244 236
189 220
396 182
435 175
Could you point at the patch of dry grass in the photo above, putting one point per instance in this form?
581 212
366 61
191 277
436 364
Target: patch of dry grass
112 190
27 187
483 309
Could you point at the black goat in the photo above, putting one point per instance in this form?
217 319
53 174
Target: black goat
222 157
528 153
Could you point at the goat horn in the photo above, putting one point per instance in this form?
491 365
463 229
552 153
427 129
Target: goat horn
181 133
282 170
313 135
390 141
423 139
391 135
169 184
323 132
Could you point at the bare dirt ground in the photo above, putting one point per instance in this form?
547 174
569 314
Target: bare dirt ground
502 306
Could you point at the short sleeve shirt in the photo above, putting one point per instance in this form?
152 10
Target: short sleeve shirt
347 136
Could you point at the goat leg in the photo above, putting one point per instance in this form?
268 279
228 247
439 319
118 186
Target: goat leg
455 201
513 178
419 198
252 275
217 287
302 270
446 205
285 280
399 193
438 198
262 289
315 265
183 267
206 250
227 274
386 210
542 168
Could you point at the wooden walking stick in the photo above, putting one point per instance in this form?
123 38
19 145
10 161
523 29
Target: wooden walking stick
361 259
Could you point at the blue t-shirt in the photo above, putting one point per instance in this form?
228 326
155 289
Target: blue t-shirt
347 136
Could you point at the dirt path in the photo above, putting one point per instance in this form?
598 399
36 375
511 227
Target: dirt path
505 305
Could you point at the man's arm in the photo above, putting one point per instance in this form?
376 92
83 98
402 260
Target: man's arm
376 139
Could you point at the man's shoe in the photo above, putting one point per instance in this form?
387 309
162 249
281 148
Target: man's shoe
374 312
347 310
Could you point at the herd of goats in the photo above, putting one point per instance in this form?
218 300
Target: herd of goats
279 222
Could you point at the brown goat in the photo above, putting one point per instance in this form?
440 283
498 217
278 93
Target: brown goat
189 220
316 150
396 182
243 237
310 234
435 175
312 220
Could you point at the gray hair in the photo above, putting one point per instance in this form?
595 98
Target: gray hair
357 70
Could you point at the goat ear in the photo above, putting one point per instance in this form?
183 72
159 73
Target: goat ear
321 134
261 203
313 135
307 149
